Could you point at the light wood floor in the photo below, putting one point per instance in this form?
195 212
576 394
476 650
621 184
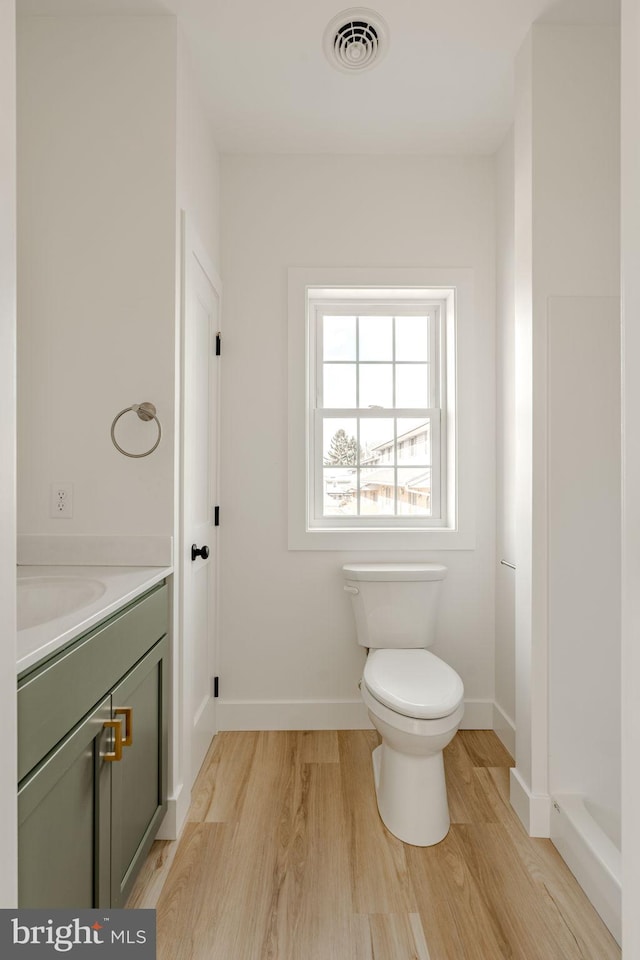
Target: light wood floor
284 857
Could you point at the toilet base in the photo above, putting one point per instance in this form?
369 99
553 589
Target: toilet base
412 795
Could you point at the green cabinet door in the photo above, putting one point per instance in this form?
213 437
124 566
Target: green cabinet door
139 780
63 813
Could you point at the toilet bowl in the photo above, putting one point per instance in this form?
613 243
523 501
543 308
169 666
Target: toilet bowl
408 764
414 699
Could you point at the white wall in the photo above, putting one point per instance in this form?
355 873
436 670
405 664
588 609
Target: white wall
286 625
198 166
578 284
97 197
505 444
567 284
8 721
530 775
631 475
584 546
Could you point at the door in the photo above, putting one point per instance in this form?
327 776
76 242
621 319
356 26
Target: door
200 414
64 815
139 778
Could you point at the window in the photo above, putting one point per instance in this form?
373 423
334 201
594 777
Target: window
377 435
381 409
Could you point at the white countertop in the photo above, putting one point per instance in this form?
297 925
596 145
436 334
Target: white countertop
122 585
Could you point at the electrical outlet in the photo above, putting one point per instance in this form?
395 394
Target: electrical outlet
61 501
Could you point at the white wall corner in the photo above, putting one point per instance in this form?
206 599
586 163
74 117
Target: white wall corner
504 728
631 477
176 815
534 810
478 715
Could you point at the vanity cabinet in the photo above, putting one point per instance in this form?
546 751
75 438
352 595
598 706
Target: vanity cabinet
92 753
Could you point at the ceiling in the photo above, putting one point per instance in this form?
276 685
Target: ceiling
444 87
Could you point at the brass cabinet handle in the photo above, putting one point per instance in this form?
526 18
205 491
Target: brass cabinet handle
116 726
127 712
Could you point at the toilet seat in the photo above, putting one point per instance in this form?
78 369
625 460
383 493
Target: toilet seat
421 729
414 683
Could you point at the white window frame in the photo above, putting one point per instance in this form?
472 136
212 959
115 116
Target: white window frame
319 307
454 288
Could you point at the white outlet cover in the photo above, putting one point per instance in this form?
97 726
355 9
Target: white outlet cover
61 501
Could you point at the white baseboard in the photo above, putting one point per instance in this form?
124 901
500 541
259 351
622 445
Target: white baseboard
591 856
323 715
176 815
292 715
534 810
504 728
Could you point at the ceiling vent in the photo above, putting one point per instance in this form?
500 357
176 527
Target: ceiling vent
356 40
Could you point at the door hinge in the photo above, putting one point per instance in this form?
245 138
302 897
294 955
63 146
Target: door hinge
218 344
215 686
216 516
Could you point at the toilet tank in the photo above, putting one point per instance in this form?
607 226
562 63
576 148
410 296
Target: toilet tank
395 604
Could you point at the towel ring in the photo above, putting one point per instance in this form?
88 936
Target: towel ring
146 411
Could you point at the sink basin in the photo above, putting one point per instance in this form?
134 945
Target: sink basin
41 599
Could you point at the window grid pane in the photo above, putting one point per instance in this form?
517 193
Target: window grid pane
378 492
394 478
412 339
339 338
376 466
376 338
412 385
338 487
387 383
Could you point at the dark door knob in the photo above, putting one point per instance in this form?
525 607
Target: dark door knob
199 552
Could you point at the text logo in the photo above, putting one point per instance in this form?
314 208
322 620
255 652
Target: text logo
27 934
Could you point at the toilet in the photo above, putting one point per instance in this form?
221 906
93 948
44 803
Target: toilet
414 699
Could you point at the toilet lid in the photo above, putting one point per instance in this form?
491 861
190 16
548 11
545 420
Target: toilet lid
414 683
